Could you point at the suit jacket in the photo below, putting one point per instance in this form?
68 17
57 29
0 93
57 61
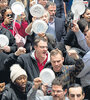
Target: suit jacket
59 29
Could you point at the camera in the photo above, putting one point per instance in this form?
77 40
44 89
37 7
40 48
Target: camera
69 18
49 89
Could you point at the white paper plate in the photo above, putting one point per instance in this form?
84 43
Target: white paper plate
3 41
39 26
47 76
79 6
77 1
17 8
37 10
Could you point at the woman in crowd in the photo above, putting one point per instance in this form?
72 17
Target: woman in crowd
86 15
14 27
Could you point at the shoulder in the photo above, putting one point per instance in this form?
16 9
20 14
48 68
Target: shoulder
28 86
17 25
7 91
27 55
46 98
5 31
59 20
58 1
86 58
56 18
87 54
68 67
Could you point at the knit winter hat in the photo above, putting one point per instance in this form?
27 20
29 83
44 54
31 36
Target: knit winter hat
16 71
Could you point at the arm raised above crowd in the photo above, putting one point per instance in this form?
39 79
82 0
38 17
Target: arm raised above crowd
80 37
12 58
32 93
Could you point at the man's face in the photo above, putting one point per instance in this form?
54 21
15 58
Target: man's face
57 92
87 36
75 93
57 62
21 82
52 11
41 49
87 15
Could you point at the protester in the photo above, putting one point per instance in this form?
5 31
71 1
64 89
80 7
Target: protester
61 70
55 25
19 86
26 6
75 92
81 36
71 41
17 29
32 62
86 14
7 16
58 92
84 41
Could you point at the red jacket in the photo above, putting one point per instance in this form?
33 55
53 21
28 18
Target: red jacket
19 28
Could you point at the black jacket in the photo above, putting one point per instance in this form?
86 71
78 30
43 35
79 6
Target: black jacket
11 92
71 39
28 62
4 72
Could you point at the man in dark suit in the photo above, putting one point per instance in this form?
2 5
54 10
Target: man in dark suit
55 25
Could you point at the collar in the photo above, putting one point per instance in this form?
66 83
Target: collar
38 59
32 54
52 21
7 26
57 74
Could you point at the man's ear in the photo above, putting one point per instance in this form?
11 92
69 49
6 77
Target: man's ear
35 47
83 16
63 59
83 96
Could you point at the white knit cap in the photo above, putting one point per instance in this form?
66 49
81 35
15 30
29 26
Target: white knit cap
16 71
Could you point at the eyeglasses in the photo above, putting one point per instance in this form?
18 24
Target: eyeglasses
42 47
9 15
58 91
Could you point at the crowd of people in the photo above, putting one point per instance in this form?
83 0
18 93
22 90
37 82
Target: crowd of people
64 48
